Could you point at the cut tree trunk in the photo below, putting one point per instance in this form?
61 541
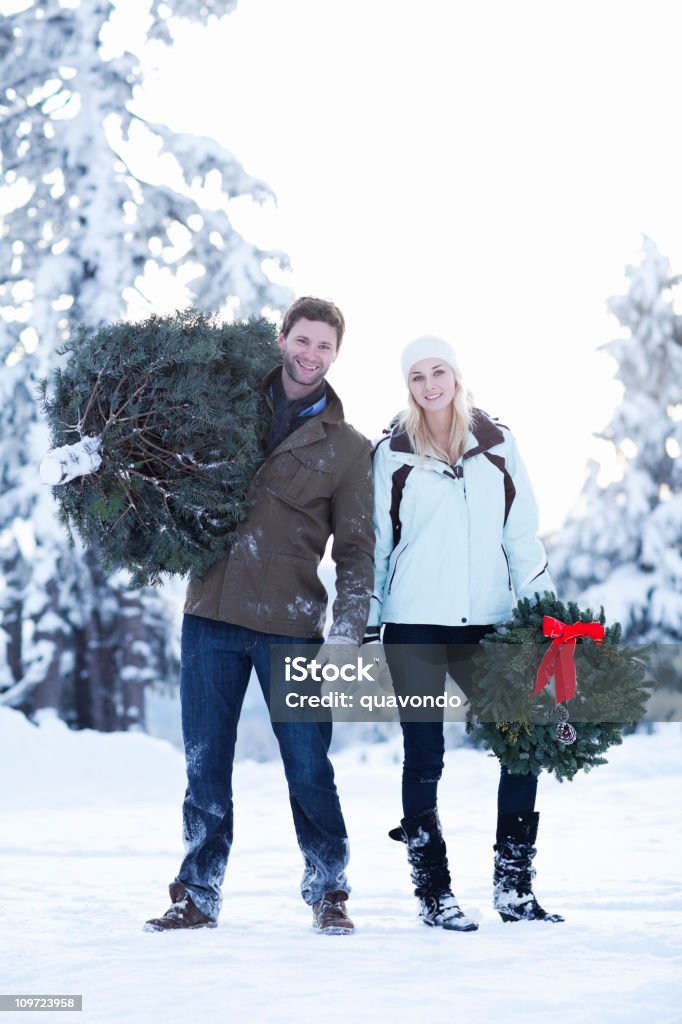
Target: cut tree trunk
71 460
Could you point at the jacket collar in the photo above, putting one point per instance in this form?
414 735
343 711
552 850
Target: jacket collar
312 428
483 436
486 433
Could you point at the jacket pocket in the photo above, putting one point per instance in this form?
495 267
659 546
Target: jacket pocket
506 559
395 567
298 477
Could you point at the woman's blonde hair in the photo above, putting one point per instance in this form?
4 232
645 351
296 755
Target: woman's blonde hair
413 422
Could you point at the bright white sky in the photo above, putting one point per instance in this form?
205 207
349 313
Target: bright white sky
482 170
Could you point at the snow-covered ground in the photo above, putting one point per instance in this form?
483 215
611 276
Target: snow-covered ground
91 837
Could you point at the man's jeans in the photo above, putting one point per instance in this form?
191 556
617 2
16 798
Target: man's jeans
216 663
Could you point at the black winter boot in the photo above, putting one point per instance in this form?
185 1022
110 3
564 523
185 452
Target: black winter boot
514 872
428 861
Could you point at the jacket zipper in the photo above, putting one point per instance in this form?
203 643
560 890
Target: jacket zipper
507 561
390 582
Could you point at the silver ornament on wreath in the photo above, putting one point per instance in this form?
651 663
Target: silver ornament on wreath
565 733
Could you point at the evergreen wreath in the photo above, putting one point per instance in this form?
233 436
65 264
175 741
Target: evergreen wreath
175 407
611 693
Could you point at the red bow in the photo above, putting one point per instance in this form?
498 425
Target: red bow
558 660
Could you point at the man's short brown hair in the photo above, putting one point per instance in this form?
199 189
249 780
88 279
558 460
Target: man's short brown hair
315 309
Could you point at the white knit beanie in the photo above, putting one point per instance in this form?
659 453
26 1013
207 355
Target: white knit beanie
428 346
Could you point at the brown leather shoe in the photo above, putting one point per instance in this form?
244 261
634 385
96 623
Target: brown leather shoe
329 914
182 914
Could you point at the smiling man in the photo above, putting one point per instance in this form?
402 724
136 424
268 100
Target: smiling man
308 350
314 483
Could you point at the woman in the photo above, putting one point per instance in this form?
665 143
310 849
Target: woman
456 525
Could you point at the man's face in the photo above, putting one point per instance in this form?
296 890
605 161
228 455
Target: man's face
308 350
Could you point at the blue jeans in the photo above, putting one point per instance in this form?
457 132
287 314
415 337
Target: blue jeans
216 662
423 741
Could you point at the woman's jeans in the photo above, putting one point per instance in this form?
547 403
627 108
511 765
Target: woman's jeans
216 663
423 741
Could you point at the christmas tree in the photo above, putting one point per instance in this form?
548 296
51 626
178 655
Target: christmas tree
172 412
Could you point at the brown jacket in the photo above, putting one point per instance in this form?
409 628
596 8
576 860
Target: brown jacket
316 483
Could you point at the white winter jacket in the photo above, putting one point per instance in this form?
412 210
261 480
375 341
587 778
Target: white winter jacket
455 545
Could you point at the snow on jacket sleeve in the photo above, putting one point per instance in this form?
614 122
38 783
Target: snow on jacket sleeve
353 546
525 550
383 529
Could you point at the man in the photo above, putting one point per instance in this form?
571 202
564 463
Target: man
315 482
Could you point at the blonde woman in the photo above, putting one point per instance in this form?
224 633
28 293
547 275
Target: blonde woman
456 545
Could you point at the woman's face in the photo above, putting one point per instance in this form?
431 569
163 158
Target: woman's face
432 384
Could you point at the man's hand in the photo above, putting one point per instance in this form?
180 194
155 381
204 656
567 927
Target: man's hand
337 650
340 651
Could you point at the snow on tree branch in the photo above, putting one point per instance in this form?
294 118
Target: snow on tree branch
71 461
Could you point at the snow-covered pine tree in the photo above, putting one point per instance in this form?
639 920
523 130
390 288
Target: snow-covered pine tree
622 545
80 228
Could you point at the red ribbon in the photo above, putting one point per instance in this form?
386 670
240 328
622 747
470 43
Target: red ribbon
558 660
